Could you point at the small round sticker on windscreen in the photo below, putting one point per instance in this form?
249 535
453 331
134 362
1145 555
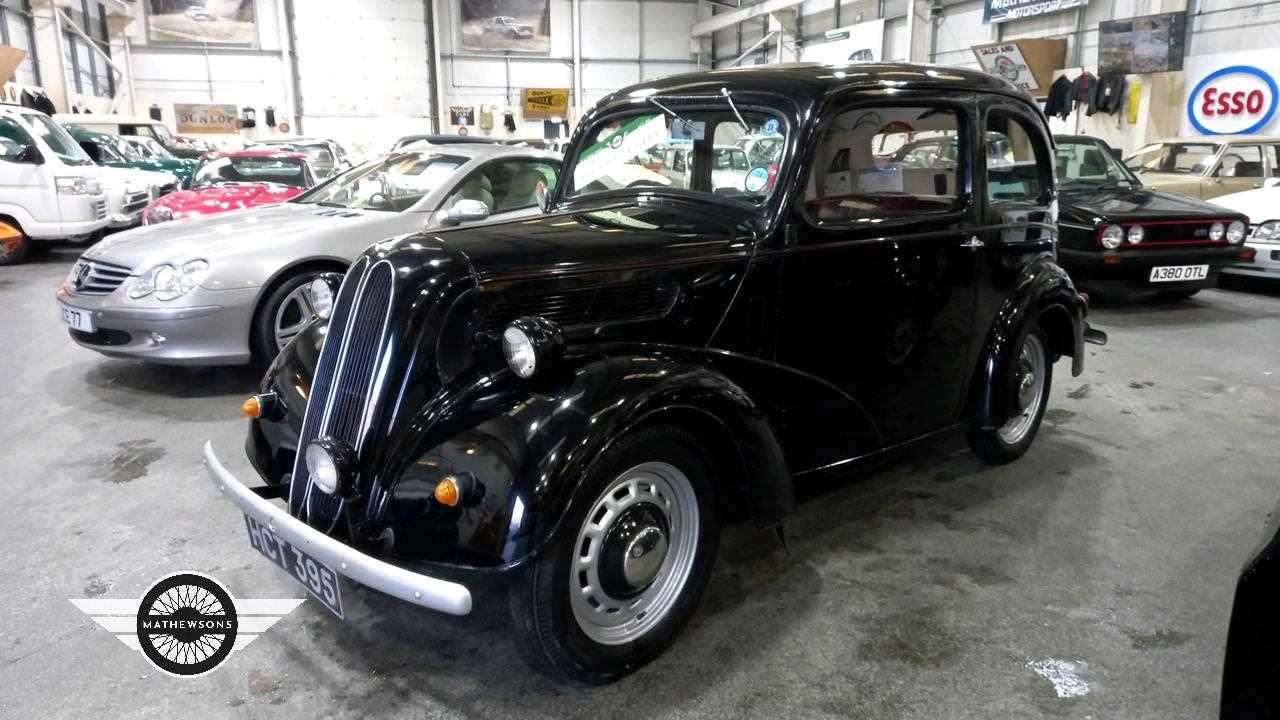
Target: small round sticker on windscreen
757 179
770 126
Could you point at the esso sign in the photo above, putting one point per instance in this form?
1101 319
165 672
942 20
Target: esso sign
1238 99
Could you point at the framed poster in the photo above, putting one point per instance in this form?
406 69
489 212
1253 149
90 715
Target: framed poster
216 22
505 25
544 103
1147 44
208 119
462 114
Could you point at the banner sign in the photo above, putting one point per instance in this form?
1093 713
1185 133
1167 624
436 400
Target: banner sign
207 119
545 103
998 11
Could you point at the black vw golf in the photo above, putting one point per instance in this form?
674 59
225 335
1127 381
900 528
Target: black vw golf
1118 237
577 402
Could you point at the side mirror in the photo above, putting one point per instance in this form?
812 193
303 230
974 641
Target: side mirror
1115 153
464 211
1271 182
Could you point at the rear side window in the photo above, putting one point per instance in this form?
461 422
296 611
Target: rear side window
13 140
1017 159
882 162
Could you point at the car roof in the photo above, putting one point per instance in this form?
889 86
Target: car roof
484 151
809 82
444 139
259 152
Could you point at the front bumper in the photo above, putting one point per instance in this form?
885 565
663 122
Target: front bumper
1266 263
201 333
1130 268
423 590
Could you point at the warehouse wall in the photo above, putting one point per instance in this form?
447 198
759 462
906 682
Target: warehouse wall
623 42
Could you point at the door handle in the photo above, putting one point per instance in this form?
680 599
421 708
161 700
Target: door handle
973 243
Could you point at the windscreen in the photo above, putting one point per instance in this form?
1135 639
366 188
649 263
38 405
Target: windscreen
394 183
284 171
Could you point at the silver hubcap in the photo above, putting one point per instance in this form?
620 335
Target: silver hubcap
634 553
1029 383
293 314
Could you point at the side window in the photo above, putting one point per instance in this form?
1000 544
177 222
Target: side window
14 141
1243 161
884 162
515 183
1014 152
1273 155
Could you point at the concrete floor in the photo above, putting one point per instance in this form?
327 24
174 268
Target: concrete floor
936 588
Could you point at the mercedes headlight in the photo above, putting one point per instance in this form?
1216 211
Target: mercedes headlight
1235 232
1136 234
1216 231
169 282
1112 237
77 185
1267 232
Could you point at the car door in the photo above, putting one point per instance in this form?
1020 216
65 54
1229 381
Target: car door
878 275
23 182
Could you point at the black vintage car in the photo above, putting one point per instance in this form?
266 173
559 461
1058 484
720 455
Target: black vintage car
1119 238
1249 687
576 402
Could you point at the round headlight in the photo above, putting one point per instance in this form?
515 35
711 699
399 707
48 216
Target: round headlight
329 464
531 344
518 348
1112 236
321 298
1216 231
1136 233
1235 232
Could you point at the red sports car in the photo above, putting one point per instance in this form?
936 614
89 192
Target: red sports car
230 181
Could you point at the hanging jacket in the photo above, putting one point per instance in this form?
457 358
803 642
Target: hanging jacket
1108 94
1082 89
1059 100
509 121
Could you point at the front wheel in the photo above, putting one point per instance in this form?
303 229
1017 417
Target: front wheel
1025 387
632 560
282 315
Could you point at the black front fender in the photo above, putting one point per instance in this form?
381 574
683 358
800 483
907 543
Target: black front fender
528 445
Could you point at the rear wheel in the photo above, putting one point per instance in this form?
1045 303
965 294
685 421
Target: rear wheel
1024 390
284 313
14 244
631 562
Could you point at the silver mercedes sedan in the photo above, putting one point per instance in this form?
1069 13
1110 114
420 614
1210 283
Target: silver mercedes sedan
234 287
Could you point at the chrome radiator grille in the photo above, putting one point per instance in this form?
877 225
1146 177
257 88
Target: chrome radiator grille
100 209
90 277
135 202
341 390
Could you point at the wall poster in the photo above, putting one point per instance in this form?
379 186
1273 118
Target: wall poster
505 25
217 22
1152 43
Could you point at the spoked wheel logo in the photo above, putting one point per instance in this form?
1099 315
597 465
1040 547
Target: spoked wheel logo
187 624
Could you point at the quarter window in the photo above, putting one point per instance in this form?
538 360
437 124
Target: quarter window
885 162
1013 171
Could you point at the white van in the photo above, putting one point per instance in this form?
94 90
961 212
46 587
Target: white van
49 188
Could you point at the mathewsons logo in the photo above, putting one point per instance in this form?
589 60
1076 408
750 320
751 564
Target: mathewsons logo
1239 99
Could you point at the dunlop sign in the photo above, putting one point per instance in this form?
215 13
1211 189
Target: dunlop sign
544 103
998 11
207 119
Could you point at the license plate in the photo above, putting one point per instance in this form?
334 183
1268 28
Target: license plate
1179 273
314 575
81 320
